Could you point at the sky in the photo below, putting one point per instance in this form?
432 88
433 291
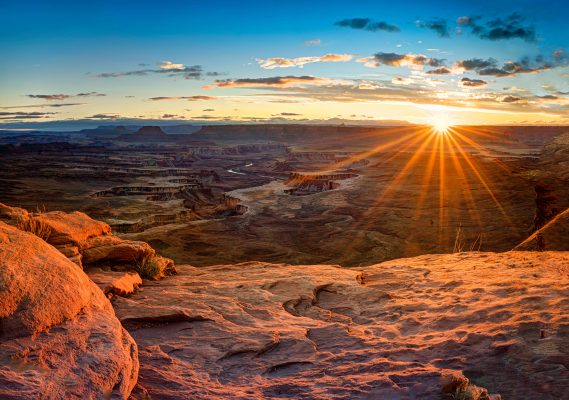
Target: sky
360 62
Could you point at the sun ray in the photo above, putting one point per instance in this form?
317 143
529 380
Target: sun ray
483 181
426 136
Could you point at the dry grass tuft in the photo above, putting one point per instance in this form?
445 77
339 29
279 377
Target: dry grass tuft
35 226
460 243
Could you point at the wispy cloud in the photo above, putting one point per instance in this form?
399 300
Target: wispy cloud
367 24
54 97
171 65
49 97
168 68
25 115
279 62
188 98
90 94
104 116
313 42
45 105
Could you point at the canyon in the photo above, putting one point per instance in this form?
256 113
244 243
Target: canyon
269 265
378 198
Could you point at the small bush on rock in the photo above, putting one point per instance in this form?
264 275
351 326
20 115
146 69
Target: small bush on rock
149 267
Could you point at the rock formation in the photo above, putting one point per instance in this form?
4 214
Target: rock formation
304 184
84 240
59 337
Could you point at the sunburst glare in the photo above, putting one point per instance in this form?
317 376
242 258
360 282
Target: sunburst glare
441 124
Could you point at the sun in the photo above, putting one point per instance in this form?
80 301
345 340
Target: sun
441 124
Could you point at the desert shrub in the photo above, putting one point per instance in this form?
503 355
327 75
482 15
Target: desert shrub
470 392
150 267
35 226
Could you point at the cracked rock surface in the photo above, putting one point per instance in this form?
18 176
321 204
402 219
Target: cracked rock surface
392 330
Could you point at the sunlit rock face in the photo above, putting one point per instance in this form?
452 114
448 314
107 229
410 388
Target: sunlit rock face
59 336
390 331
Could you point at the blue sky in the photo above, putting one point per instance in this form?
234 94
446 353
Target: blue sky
67 48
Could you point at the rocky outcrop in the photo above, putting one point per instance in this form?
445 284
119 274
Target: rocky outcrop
232 205
112 248
312 186
59 337
84 240
392 330
304 184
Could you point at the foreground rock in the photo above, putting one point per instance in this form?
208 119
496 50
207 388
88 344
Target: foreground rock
59 336
393 330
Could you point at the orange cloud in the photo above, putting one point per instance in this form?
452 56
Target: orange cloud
275 81
279 62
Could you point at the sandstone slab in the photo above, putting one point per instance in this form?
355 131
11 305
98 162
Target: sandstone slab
112 248
72 228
